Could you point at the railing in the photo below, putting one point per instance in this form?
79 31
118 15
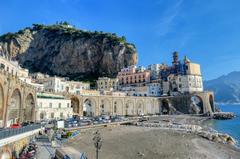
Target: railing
5 133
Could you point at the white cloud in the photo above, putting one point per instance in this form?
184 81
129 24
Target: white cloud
168 18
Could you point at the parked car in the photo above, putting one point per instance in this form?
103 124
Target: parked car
15 126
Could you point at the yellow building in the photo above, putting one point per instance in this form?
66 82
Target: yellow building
107 84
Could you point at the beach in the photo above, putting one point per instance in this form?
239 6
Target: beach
133 142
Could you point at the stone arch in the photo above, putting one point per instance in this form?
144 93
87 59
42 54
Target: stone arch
1 102
105 107
140 107
196 106
14 106
117 107
29 108
89 107
129 108
211 102
150 107
75 105
165 106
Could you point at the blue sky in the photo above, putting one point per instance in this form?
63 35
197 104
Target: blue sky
207 31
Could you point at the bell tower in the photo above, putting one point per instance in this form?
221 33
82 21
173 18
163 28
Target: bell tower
175 58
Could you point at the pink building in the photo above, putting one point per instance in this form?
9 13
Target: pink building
132 75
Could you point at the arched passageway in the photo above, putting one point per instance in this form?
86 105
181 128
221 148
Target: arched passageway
117 107
89 106
140 108
129 108
13 109
28 112
211 102
75 104
165 107
105 107
1 103
196 106
150 107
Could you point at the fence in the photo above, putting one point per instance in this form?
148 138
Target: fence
5 133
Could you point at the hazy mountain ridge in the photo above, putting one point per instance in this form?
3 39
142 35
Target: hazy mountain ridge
226 87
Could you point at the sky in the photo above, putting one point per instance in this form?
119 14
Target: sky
206 31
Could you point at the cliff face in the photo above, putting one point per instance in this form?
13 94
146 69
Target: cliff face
65 51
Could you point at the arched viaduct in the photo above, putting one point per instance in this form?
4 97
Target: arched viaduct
132 105
17 100
18 103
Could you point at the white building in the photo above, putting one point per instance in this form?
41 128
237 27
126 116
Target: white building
61 85
13 67
51 106
76 87
190 83
55 84
155 71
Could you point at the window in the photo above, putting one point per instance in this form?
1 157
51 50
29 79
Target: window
52 115
115 109
68 105
59 105
40 105
50 105
61 115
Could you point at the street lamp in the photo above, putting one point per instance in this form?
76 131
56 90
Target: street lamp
97 142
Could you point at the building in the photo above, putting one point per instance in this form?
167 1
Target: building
154 89
183 76
132 76
13 67
107 84
155 70
76 87
89 92
55 84
61 85
51 106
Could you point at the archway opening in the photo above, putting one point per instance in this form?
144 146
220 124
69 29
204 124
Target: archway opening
75 104
117 107
165 107
13 110
28 113
139 109
89 107
196 106
105 107
211 103
129 108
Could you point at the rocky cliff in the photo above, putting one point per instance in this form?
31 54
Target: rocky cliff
63 50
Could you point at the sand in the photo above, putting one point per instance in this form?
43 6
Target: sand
131 142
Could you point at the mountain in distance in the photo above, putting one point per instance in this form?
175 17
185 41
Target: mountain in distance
63 50
226 88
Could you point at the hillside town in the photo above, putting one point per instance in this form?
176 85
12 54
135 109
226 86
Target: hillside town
56 106
182 77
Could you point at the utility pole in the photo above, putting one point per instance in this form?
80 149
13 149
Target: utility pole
97 142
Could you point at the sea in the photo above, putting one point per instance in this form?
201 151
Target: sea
231 127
